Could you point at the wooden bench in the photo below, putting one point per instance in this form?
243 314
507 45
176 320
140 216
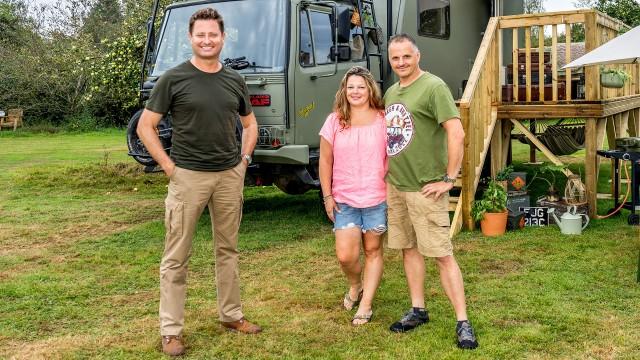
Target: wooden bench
13 119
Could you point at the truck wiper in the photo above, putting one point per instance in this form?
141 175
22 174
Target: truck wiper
253 65
236 63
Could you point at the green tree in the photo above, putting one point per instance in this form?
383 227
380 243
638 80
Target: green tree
104 21
14 27
626 10
533 6
113 92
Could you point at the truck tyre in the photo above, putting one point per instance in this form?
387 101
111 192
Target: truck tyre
290 184
137 150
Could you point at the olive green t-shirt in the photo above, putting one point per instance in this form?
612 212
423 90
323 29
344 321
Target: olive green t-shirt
203 108
416 141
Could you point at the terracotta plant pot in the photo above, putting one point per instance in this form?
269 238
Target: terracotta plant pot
494 224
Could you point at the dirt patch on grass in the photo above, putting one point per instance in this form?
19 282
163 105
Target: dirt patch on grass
62 347
500 267
102 220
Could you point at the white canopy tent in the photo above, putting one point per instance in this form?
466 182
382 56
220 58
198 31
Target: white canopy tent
624 49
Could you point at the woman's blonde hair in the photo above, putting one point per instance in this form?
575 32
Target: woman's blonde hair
341 105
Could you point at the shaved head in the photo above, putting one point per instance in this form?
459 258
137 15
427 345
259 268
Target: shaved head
398 38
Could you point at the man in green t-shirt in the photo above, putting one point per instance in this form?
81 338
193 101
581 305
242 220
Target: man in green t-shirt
205 169
425 140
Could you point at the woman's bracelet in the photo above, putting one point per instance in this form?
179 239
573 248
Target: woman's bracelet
324 198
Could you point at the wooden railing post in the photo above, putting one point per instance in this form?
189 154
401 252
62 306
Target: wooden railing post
541 63
567 59
592 87
527 50
590 164
468 170
515 65
554 62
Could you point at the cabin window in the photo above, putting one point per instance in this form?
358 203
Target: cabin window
322 41
434 18
306 44
315 38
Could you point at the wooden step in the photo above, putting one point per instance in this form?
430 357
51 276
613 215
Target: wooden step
453 202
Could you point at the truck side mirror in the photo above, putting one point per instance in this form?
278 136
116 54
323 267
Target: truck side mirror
342 52
151 35
343 23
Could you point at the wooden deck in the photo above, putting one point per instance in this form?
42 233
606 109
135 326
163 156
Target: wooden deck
568 109
488 119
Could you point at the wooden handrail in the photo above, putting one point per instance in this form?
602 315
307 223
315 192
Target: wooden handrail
478 113
479 62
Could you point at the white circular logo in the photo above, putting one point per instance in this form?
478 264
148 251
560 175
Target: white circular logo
399 128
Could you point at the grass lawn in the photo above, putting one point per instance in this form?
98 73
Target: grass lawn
81 235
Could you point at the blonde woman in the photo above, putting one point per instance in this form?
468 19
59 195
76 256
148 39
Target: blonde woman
352 169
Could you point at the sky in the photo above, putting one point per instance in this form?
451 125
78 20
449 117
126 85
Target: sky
558 5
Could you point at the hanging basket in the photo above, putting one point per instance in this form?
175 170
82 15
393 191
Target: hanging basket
611 80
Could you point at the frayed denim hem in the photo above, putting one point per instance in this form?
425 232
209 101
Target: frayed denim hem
380 229
348 226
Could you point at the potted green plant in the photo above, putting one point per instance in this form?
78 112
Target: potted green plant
613 77
491 210
502 176
552 193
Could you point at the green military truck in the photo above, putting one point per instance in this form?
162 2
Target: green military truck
293 54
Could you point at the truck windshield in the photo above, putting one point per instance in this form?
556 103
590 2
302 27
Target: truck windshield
254 29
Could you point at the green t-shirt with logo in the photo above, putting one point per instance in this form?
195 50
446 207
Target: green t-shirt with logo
204 108
416 141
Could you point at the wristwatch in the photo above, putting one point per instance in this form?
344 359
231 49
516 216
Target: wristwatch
247 157
447 179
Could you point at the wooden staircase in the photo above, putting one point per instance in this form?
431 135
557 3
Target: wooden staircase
488 122
478 113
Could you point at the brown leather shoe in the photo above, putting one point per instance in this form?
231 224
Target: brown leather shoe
243 325
172 345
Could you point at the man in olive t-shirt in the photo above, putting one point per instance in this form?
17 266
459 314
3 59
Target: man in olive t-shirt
425 140
205 169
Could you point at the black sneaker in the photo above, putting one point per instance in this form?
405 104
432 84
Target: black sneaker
411 320
466 337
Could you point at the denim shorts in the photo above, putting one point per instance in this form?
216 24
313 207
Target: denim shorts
370 218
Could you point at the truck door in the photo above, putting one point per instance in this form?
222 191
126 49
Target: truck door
316 75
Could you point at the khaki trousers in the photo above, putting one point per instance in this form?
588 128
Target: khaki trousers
189 192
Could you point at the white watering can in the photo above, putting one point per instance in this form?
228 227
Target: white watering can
570 223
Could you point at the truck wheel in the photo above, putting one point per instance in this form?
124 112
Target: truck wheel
290 184
137 150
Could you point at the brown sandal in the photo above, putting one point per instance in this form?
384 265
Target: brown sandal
348 303
366 317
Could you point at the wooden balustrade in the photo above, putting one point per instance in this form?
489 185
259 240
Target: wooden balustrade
598 28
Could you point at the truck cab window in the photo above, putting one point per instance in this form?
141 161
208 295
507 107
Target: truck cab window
306 46
434 18
321 31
